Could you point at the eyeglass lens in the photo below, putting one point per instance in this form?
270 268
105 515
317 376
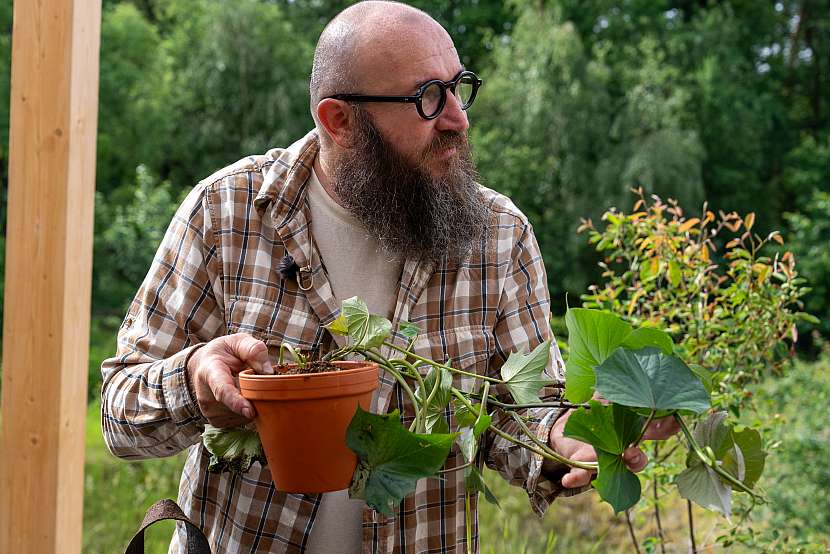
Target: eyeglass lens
432 98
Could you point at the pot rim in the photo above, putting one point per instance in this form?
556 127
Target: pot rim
357 366
363 377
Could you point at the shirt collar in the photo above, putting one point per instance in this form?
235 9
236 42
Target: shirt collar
283 188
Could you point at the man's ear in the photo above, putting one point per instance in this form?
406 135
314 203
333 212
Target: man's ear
337 118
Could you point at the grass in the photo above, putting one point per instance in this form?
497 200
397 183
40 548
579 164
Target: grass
117 494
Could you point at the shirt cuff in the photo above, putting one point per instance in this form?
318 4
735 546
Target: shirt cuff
178 395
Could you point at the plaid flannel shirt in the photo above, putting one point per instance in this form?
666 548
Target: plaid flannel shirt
215 273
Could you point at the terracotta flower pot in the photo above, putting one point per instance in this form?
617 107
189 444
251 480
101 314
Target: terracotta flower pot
302 422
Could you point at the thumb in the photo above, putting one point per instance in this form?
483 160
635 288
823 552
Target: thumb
253 352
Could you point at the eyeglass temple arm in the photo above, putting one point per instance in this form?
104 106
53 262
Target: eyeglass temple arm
369 98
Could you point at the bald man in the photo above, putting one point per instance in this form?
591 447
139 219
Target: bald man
380 200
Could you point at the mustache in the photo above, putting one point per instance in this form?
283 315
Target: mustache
443 141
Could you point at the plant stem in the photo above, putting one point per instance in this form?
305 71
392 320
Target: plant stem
401 381
713 463
546 452
468 516
691 526
631 531
645 427
657 506
420 410
556 404
459 468
436 364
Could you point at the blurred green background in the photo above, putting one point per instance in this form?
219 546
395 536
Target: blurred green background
699 100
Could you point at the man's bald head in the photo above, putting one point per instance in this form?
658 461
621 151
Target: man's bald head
356 39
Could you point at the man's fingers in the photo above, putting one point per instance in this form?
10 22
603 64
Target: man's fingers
253 352
576 477
635 459
661 429
225 392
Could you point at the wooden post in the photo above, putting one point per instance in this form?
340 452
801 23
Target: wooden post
54 102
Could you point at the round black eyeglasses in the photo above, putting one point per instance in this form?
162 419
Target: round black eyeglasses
431 96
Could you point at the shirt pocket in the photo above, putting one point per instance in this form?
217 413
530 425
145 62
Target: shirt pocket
292 322
466 348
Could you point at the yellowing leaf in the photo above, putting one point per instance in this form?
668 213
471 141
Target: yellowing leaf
688 224
778 238
732 243
704 254
675 274
749 221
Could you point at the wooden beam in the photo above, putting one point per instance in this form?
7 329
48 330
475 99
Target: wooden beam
54 100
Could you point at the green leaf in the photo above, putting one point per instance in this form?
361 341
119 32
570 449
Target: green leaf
610 429
674 273
232 449
752 447
409 330
524 376
391 459
592 337
740 453
482 423
615 482
463 416
435 421
467 443
646 337
607 427
339 326
703 486
368 331
648 378
706 377
474 482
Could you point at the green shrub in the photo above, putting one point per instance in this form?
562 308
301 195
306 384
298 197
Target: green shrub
810 234
129 228
728 298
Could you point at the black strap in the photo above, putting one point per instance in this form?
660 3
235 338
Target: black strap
167 509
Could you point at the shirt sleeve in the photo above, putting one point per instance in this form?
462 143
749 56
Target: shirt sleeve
523 323
147 409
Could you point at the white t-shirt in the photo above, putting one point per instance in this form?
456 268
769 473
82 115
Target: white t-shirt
356 266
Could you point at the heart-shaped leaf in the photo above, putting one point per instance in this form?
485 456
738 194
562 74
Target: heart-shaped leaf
703 486
646 337
608 427
752 448
740 453
391 459
435 420
615 483
366 330
523 374
339 326
592 337
648 378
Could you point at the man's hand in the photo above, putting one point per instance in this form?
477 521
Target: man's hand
212 372
573 449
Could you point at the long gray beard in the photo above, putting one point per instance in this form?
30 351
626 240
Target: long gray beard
410 212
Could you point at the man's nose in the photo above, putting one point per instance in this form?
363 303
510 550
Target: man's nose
453 118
